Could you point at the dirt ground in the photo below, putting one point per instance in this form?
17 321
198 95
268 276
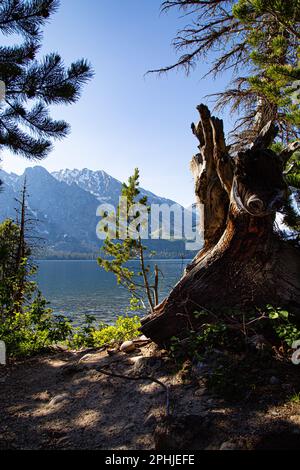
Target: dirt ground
63 401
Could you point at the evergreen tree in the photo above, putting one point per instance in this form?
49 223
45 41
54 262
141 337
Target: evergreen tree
32 84
117 253
27 325
290 209
243 264
259 37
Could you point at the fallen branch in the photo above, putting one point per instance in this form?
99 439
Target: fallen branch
138 378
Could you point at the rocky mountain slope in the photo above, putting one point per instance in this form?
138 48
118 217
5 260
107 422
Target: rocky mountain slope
64 204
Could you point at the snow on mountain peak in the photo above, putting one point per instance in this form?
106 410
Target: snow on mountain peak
101 185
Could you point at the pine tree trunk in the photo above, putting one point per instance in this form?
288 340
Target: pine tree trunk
243 263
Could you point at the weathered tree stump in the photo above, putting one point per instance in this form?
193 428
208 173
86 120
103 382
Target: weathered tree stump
244 263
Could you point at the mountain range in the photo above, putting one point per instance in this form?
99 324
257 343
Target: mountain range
63 207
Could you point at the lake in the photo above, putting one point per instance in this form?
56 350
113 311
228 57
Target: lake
76 288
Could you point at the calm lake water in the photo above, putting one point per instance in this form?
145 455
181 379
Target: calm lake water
76 288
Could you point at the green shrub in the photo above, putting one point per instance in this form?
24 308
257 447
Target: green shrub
283 325
203 339
82 336
125 328
34 329
27 325
232 330
91 335
295 398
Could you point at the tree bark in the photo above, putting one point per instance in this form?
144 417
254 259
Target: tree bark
244 263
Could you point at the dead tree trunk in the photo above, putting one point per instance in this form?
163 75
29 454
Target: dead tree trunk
243 263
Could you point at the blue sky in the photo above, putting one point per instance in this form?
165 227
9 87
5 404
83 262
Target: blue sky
124 119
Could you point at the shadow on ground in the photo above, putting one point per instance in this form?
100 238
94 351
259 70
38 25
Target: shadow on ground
63 402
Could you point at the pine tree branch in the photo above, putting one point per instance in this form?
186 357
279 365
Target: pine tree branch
17 16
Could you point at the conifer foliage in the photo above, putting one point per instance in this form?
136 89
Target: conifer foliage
258 40
33 84
143 283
